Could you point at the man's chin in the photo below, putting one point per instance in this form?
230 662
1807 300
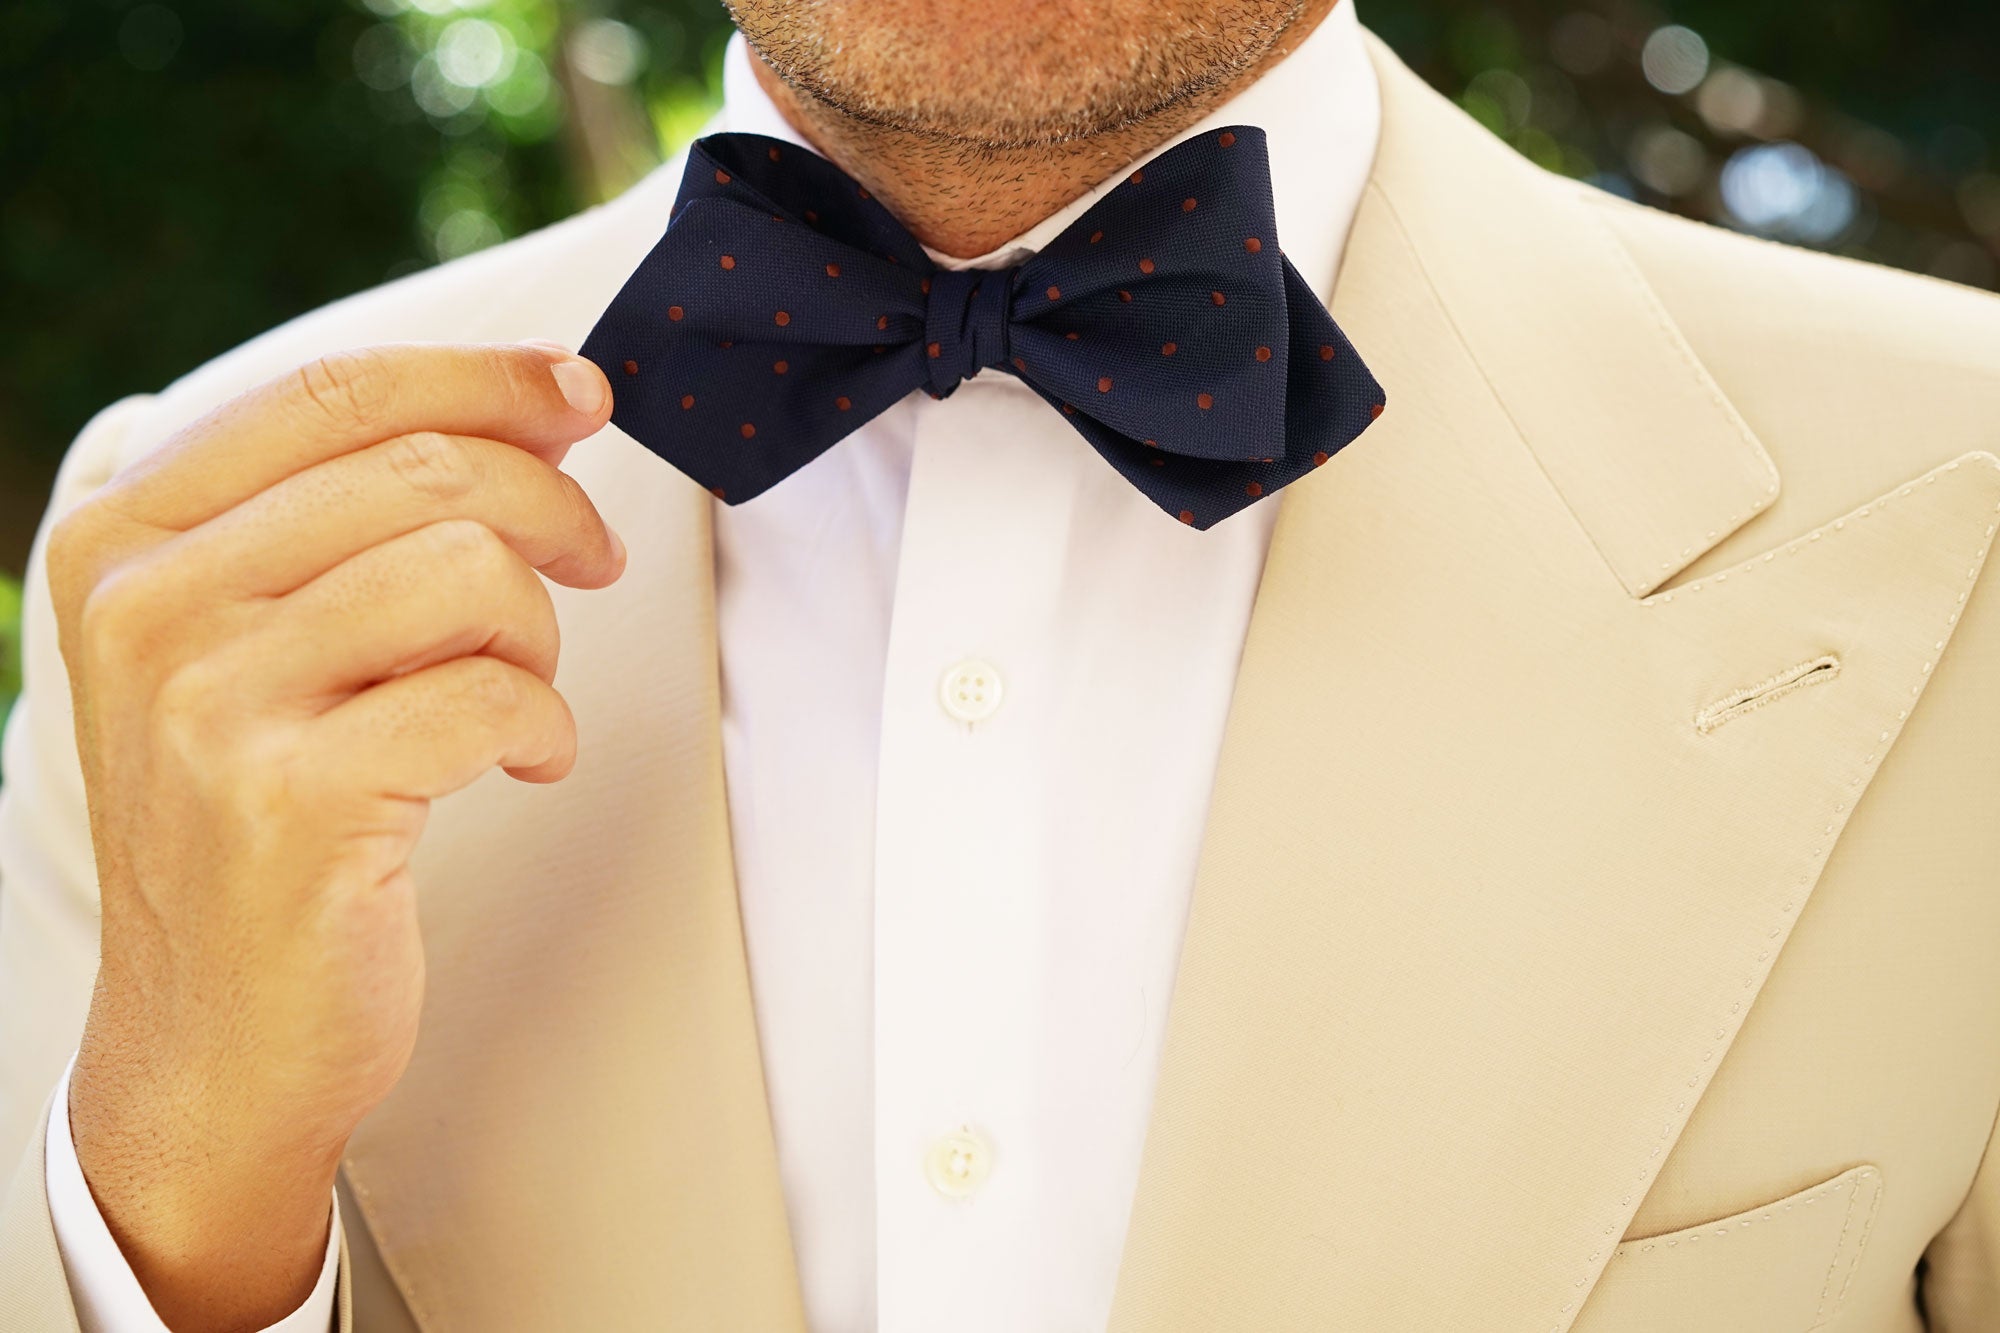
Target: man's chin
1006 77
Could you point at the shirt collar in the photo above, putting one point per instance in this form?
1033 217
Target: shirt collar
1319 108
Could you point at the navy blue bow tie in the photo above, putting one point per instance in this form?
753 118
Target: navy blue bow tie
785 306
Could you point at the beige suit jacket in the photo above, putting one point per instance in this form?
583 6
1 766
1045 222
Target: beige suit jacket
1598 916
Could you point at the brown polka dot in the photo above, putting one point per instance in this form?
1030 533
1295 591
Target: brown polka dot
1068 411
1187 204
1096 236
777 217
687 401
746 430
862 190
934 349
1320 457
771 153
1151 444
1253 490
1263 354
1252 244
892 259
1225 138
1326 351
811 216
1375 411
1104 384
843 402
1072 335
1145 266
925 286
726 342
729 261
721 176
1204 401
1138 175
833 270
780 367
1124 295
674 312
631 367
783 318
881 321
1168 349
1053 292
1187 516
1157 462
878 349
716 491
1019 364
1216 297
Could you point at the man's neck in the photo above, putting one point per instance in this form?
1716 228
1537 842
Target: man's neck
962 199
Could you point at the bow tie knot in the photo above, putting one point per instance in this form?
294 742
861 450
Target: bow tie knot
965 325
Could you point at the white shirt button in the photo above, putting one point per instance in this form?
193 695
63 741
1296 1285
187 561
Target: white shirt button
970 690
958 1162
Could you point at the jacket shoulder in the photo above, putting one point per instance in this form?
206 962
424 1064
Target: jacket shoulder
551 283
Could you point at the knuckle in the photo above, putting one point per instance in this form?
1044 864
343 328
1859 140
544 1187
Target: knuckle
72 557
471 549
438 467
579 512
344 390
262 783
71 539
494 689
118 622
520 373
186 701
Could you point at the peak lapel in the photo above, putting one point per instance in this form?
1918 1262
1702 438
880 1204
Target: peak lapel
1481 905
582 1138
1648 454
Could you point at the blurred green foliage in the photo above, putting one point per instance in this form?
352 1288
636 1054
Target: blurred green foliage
181 174
10 641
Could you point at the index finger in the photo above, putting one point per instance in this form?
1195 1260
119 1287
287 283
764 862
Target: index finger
519 393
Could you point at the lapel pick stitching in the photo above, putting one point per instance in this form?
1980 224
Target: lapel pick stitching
1759 968
1751 697
1749 565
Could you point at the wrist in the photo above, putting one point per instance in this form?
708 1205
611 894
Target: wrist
223 1218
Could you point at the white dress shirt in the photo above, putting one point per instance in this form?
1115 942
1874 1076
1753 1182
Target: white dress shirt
973 692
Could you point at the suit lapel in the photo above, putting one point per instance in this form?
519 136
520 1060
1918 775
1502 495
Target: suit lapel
1481 907
582 1139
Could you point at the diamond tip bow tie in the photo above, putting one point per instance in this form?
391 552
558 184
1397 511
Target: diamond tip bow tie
785 306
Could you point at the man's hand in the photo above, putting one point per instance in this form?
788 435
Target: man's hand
288 630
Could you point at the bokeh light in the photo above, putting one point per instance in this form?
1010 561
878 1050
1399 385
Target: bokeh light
608 51
1675 59
474 53
1784 189
1667 160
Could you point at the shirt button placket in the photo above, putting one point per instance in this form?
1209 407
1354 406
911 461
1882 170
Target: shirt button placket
961 924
